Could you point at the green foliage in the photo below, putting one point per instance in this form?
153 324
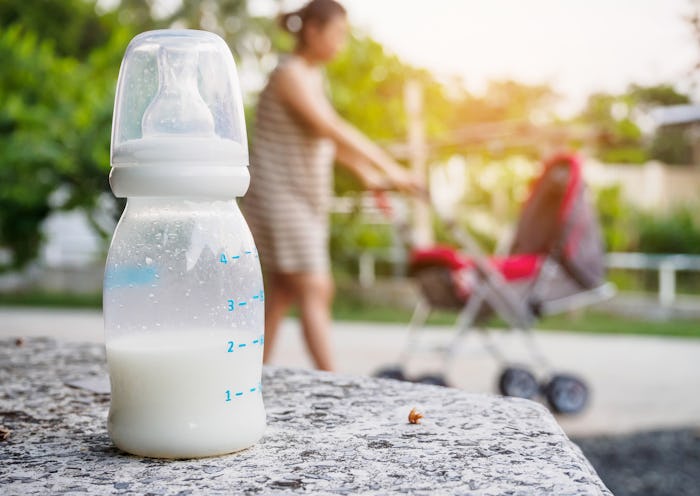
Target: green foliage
71 27
367 87
619 138
54 133
60 61
354 233
671 145
663 94
627 229
615 218
60 64
675 232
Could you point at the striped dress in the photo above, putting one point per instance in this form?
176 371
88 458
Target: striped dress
290 189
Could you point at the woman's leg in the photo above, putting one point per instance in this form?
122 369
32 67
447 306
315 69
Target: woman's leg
278 299
314 295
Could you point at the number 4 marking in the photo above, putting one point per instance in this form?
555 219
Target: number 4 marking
223 258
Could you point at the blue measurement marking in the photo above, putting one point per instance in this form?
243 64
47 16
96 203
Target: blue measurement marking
224 259
229 395
129 277
260 296
231 346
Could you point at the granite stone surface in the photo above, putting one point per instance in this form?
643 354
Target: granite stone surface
327 434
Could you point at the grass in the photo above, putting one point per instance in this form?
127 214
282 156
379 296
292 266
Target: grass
588 321
51 300
352 309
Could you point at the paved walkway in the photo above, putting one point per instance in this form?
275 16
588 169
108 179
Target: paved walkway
638 383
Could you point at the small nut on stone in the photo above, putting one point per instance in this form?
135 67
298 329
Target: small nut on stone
414 417
4 433
19 342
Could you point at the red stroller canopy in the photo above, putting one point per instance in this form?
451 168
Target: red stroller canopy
557 220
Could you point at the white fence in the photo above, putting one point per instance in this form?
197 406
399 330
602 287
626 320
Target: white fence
666 265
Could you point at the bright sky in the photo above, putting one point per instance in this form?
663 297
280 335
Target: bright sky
577 46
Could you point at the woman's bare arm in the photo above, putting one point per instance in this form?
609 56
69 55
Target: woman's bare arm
296 89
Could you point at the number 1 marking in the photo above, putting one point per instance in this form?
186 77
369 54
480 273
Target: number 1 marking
228 395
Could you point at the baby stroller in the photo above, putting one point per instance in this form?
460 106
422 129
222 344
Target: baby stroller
555 264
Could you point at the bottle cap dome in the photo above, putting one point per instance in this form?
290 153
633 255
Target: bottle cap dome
178 127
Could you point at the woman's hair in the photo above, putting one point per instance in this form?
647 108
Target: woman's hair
318 11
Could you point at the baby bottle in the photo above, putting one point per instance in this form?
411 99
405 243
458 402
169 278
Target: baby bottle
183 294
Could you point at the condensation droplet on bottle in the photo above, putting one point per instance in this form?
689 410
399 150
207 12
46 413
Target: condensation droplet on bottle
149 260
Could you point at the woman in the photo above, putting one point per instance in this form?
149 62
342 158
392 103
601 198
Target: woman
297 137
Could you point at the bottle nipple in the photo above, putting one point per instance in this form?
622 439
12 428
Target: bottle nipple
178 107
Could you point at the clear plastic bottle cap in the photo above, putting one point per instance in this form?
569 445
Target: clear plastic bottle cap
178 127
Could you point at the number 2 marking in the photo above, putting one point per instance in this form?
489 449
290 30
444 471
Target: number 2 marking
230 346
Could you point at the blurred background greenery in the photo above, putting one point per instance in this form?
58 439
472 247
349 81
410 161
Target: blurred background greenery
60 60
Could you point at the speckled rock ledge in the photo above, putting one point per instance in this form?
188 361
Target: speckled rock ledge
327 434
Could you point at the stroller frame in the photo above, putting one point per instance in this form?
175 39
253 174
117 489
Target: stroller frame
490 290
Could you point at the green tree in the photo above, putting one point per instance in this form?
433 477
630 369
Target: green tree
71 27
367 89
54 134
620 139
60 64
669 144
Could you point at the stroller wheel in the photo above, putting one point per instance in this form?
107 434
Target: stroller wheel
566 394
434 379
518 382
393 372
